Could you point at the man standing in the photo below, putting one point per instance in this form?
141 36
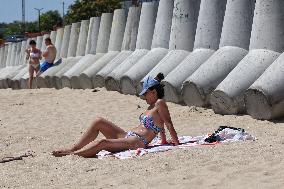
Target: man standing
49 55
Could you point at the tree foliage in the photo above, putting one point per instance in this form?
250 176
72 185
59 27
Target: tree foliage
85 9
50 19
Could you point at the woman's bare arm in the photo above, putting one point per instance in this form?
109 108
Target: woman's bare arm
163 136
166 118
28 53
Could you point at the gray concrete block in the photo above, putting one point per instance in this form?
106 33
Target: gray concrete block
112 81
161 36
197 88
99 79
85 78
268 26
72 75
93 35
58 42
209 26
117 30
146 25
237 23
184 21
104 33
173 81
228 97
53 36
264 98
82 40
131 79
56 78
73 42
131 29
65 41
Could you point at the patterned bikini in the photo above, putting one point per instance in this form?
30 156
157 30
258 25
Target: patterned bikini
148 123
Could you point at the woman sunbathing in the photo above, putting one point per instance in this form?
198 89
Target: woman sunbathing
151 123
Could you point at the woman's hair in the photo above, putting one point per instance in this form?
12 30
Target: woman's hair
32 42
159 87
48 39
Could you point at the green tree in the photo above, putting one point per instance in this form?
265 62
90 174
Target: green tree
50 19
85 9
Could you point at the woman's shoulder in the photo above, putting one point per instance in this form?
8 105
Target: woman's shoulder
161 102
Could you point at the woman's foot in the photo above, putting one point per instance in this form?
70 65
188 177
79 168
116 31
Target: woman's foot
61 153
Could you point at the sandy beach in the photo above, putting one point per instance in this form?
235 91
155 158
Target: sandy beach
47 119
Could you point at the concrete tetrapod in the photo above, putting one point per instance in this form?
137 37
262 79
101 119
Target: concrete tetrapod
44 80
209 25
2 57
197 88
99 79
167 64
183 29
39 41
5 79
238 17
77 69
173 81
237 23
85 78
58 42
160 45
129 40
131 29
56 78
80 66
9 54
115 42
53 36
93 34
264 98
228 97
65 41
13 54
15 81
82 40
143 44
112 81
10 71
131 79
74 35
18 54
208 32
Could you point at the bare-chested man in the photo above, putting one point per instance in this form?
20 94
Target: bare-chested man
49 55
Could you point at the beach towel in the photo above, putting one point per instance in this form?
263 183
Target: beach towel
222 135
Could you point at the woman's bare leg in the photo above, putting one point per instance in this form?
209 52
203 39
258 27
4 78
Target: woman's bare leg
108 129
31 75
112 145
36 76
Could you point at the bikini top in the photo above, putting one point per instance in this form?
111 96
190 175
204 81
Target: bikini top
34 54
148 123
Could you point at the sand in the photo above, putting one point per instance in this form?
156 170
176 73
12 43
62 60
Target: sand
46 119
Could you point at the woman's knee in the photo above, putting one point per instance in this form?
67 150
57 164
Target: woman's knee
100 120
97 122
